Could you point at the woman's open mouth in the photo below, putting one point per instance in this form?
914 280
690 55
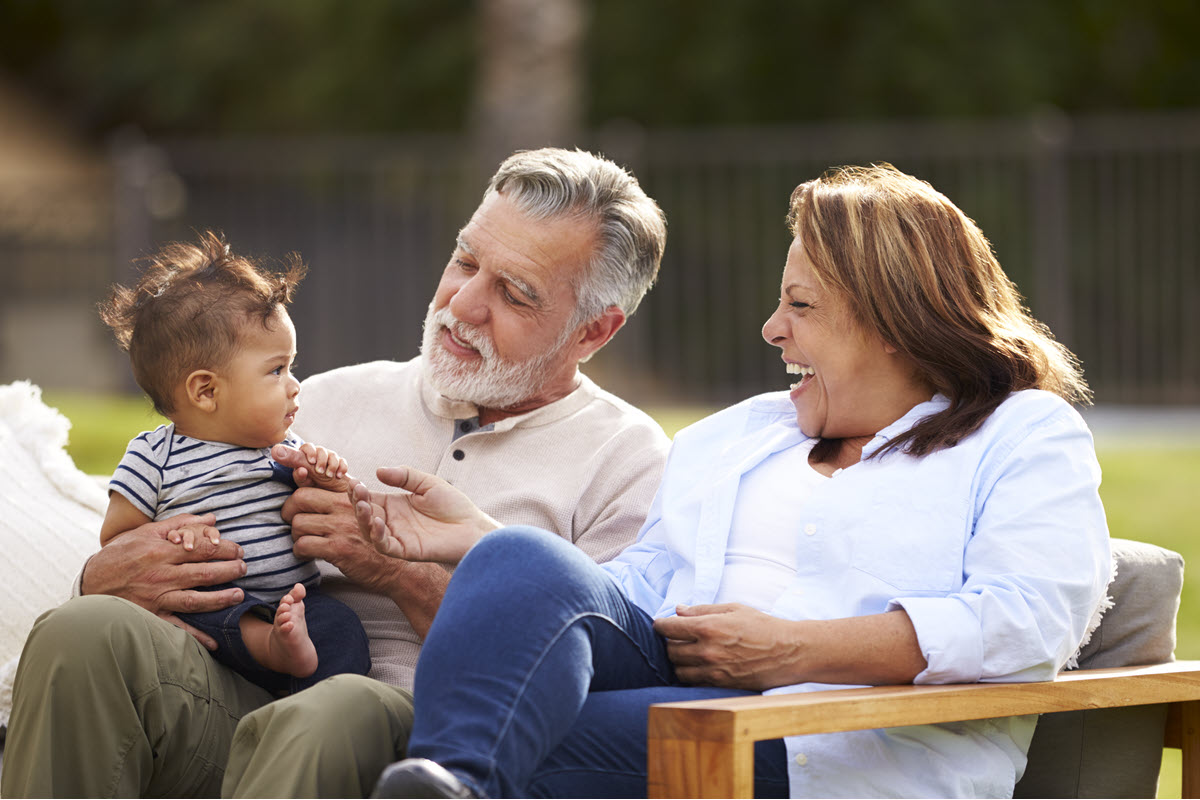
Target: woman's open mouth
805 374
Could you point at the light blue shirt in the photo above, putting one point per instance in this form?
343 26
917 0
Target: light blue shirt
996 548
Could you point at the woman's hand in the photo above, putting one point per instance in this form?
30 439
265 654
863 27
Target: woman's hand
730 645
735 646
429 520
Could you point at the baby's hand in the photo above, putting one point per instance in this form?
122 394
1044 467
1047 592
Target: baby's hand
326 469
190 534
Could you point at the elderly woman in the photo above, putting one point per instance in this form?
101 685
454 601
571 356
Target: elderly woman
921 507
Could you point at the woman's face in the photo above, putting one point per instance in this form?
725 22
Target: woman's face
850 383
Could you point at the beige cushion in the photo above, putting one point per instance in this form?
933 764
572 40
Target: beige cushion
1114 752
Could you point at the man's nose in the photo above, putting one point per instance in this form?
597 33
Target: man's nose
469 302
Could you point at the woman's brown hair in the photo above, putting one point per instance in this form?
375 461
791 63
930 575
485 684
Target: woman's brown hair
920 273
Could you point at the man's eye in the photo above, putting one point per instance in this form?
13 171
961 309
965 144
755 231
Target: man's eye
465 266
511 298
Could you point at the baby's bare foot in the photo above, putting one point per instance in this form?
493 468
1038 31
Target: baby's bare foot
288 647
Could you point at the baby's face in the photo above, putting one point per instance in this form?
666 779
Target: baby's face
259 401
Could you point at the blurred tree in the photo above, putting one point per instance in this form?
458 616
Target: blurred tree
233 67
407 65
682 62
529 87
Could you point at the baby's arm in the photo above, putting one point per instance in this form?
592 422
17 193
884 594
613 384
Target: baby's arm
121 516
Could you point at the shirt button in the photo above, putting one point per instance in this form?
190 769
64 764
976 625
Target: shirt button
465 427
459 455
810 529
801 759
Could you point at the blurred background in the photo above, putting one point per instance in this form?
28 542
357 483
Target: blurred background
360 135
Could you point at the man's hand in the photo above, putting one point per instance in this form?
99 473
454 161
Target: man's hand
729 645
429 520
323 526
144 566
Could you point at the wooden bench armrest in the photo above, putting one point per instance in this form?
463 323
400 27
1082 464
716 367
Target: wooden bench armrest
705 748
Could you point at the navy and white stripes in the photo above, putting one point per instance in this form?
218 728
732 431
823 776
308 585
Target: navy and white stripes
165 474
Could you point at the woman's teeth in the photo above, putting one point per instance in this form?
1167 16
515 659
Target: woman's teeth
803 372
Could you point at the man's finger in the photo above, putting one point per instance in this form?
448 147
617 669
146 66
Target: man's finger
312 546
207 573
206 641
288 456
191 601
311 500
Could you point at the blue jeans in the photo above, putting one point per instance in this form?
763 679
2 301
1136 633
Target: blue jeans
335 631
537 673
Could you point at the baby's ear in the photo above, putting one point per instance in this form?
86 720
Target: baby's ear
201 389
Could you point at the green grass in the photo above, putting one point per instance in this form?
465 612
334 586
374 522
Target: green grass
1149 493
101 426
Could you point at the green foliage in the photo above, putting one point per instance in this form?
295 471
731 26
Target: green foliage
275 66
761 61
303 66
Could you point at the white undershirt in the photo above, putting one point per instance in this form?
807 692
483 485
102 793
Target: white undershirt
760 558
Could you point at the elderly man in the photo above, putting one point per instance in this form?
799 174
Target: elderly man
111 700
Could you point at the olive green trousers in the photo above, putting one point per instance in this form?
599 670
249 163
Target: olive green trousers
111 701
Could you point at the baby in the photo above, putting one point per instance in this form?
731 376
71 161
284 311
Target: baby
210 341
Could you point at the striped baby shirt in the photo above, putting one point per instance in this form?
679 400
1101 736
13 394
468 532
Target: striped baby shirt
165 474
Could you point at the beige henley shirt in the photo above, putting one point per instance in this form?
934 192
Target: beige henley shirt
585 467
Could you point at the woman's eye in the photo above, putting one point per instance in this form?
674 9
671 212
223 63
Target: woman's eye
799 304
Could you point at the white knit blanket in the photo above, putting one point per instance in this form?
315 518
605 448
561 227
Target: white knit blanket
50 515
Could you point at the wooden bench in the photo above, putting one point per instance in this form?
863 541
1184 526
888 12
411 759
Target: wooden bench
706 748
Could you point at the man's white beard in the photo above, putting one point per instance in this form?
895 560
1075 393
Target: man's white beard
490 382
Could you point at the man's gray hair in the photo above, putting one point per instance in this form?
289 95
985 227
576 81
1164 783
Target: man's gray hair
631 228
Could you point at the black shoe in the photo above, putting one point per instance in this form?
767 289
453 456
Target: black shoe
419 777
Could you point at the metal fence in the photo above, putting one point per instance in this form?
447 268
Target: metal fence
1094 218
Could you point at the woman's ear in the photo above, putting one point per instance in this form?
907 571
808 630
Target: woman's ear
200 388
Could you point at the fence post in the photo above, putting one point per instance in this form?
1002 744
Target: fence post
1050 131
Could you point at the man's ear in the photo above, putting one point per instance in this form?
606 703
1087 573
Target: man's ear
595 334
201 390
